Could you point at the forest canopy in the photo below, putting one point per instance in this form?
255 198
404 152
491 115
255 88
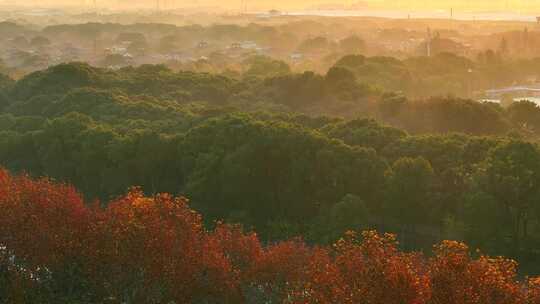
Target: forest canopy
271 153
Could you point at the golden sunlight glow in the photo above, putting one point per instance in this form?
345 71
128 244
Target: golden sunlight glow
408 5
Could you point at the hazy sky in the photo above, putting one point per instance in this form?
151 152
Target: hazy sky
476 5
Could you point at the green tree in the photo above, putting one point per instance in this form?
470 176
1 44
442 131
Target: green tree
511 175
525 115
409 199
262 66
352 45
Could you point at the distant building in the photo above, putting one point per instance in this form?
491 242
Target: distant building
236 46
116 50
296 57
248 45
202 45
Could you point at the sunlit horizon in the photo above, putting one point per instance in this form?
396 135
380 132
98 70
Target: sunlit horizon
514 6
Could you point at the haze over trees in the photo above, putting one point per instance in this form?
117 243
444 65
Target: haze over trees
465 58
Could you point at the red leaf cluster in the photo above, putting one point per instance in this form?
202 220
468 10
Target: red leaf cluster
155 250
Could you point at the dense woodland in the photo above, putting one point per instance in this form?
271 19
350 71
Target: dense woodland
272 153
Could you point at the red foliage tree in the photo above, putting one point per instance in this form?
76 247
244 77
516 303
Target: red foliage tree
375 271
533 291
55 248
457 278
43 224
156 248
44 228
